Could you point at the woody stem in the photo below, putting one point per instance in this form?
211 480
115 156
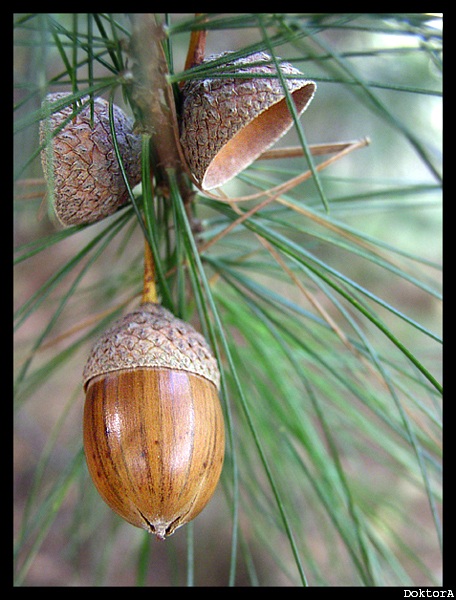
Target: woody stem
149 287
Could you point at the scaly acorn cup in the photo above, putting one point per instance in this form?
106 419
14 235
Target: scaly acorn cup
81 169
226 123
154 435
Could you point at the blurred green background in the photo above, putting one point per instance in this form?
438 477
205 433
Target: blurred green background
388 58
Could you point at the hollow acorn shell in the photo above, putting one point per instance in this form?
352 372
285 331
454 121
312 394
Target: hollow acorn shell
226 123
79 162
153 434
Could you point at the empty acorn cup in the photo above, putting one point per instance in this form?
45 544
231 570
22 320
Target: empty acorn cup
226 123
82 172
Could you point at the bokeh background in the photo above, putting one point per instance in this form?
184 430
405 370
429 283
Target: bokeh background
83 544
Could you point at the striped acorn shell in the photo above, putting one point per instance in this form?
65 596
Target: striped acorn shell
154 435
226 123
79 162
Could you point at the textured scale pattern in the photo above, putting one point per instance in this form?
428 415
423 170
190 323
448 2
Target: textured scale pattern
152 336
215 110
80 166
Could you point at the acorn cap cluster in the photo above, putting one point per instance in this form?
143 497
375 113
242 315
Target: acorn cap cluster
82 172
217 110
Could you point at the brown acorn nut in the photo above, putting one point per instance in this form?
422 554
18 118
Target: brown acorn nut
153 425
82 172
226 123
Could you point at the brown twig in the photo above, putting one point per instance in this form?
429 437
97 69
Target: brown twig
296 151
282 188
274 194
152 93
196 48
154 96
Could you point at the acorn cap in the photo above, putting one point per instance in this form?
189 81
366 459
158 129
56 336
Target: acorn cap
151 337
227 123
80 166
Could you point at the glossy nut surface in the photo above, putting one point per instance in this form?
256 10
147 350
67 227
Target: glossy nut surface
154 434
154 443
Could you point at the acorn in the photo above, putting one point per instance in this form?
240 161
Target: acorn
153 425
227 123
81 169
